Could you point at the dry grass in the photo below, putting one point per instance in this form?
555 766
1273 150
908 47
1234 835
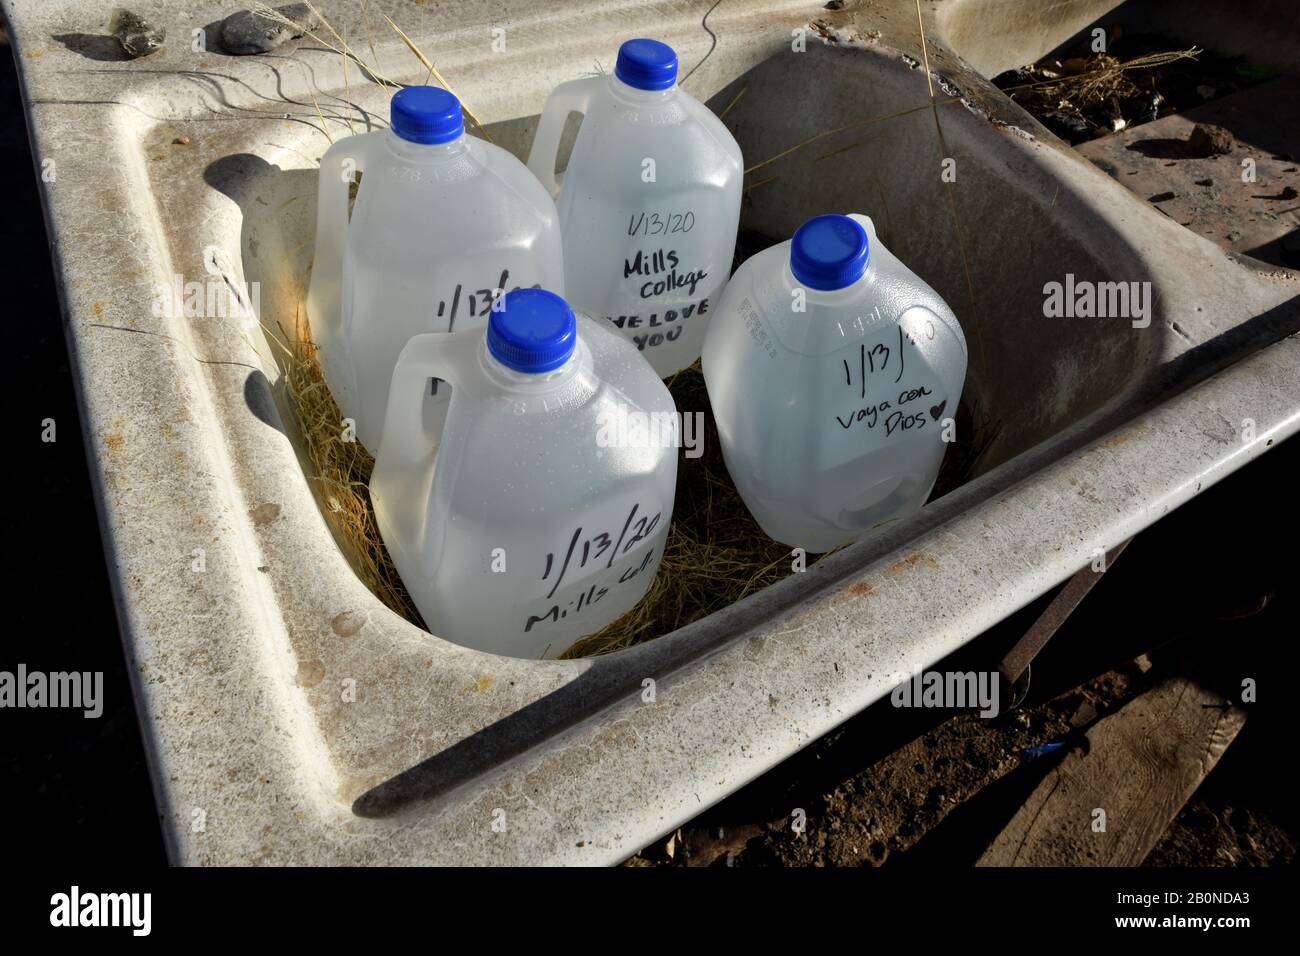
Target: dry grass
341 470
1099 79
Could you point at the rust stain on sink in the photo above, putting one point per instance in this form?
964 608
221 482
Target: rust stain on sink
910 562
310 673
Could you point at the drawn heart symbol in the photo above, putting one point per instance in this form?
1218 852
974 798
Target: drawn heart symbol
937 410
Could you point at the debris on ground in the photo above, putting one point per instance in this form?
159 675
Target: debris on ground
1226 170
261 31
137 36
1081 95
1207 140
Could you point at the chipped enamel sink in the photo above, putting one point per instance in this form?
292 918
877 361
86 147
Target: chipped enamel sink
291 718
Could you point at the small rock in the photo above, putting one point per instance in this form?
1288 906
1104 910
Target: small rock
137 35
1207 140
1234 236
246 32
181 141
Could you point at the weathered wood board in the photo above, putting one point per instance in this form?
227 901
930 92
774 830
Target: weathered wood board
1140 767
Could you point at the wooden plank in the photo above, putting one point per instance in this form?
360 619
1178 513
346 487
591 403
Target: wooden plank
1141 766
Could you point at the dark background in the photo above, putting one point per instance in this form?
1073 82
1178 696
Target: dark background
73 788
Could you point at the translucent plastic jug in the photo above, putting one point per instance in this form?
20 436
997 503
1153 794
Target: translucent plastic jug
441 221
649 205
834 373
545 517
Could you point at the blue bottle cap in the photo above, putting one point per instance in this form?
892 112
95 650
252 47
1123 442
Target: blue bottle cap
426 114
532 330
647 65
829 252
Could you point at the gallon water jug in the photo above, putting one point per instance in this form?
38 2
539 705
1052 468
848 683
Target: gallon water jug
441 222
546 515
834 373
649 205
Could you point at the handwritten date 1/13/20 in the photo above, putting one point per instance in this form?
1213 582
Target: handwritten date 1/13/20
660 224
593 547
479 302
876 359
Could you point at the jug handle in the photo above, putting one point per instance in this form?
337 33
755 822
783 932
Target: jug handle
572 97
324 295
403 472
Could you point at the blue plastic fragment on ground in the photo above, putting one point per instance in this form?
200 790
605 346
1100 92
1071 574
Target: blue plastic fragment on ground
1029 753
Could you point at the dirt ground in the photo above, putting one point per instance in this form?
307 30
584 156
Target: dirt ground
1207 593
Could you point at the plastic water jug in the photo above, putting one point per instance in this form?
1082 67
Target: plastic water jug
649 205
441 222
546 514
834 373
